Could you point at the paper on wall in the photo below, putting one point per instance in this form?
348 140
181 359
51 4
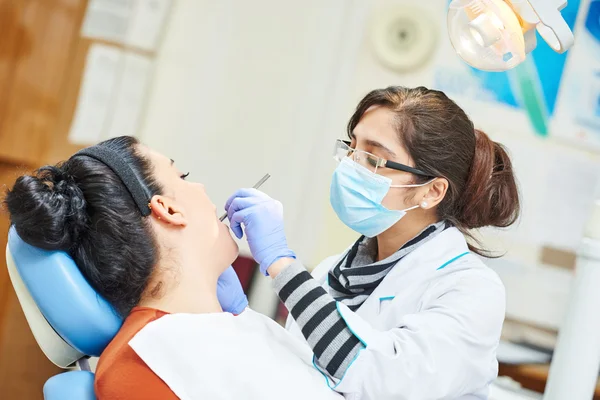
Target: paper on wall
536 294
112 94
107 20
146 22
135 23
569 190
528 157
557 186
95 94
130 95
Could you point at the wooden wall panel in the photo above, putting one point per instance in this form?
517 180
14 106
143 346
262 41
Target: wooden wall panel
37 80
60 149
14 44
39 39
8 174
42 58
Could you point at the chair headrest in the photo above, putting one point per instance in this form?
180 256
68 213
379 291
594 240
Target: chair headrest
64 298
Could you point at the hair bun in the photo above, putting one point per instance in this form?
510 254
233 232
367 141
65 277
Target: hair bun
48 209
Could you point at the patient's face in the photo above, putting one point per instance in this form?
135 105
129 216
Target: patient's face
203 228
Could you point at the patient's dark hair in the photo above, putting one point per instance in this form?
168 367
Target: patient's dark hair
82 207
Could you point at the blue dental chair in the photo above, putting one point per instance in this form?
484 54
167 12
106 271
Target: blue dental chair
69 320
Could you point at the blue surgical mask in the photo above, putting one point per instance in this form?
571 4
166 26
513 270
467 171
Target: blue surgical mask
356 194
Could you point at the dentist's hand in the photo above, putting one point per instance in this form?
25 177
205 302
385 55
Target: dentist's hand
230 292
263 222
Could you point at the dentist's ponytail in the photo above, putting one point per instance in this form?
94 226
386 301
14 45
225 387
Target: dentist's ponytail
441 140
491 196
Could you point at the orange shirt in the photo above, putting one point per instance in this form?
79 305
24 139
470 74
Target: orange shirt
121 373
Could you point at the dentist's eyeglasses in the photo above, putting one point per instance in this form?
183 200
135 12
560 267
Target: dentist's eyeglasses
371 161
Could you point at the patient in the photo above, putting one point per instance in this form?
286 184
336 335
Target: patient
147 262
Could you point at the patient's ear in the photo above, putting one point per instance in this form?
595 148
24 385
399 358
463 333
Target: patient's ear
167 211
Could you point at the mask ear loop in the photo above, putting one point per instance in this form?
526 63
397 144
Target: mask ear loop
422 204
411 208
413 185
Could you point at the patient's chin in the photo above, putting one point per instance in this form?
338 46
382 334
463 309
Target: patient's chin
234 250
228 246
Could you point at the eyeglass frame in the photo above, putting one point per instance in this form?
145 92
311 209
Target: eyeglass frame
387 163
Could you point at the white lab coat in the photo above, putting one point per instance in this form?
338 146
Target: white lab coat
430 329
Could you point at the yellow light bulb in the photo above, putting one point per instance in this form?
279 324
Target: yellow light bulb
486 33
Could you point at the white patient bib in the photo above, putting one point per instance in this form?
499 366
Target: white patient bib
221 356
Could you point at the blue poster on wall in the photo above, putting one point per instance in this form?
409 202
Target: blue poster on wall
531 87
592 31
577 114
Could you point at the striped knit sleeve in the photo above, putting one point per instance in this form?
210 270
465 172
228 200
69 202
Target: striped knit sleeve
315 312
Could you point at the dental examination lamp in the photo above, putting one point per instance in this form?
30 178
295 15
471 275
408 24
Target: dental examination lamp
497 35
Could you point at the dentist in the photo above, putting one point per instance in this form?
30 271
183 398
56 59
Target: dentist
408 311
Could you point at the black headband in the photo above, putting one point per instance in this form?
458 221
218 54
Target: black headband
132 182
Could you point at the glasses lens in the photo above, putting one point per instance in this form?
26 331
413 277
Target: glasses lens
341 151
367 160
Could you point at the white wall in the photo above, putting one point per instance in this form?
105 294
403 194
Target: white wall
244 88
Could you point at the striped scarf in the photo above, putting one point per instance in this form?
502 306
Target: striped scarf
357 274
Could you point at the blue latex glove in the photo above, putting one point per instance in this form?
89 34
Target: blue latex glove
230 292
263 222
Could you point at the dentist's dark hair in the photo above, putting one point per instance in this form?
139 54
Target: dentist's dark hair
82 207
442 141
